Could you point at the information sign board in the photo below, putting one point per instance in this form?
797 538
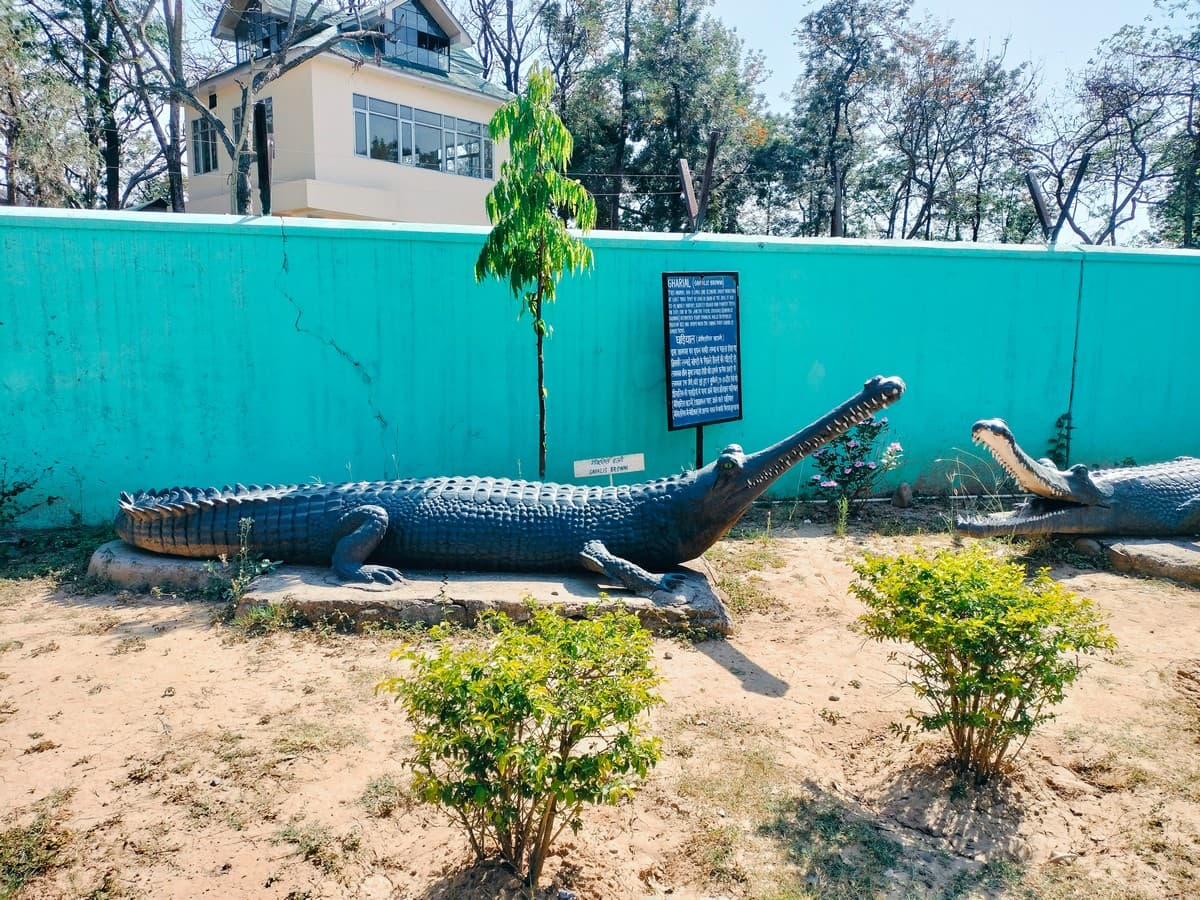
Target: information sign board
703 356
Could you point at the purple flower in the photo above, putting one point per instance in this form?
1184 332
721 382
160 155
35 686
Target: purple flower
858 464
828 484
894 447
816 478
851 443
847 470
870 465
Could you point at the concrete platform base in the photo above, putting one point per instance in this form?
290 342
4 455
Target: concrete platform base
139 570
1178 560
428 597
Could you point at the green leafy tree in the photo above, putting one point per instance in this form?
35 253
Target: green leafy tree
515 735
529 244
990 652
41 145
693 79
847 50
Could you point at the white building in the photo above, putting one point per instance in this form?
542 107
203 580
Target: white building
393 127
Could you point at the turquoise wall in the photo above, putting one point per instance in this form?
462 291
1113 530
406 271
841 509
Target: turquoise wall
153 350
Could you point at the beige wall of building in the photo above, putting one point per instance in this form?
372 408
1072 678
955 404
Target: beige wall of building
315 170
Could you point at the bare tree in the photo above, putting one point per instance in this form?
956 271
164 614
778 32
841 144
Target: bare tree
951 121
1122 120
506 35
573 32
311 28
153 92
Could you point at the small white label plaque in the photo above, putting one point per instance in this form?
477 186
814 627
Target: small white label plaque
610 465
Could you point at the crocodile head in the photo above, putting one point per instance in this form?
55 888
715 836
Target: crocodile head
1063 502
726 487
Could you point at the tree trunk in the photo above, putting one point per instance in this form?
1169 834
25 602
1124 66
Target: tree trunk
174 153
835 219
618 173
174 158
1191 191
11 137
241 190
91 119
540 330
108 112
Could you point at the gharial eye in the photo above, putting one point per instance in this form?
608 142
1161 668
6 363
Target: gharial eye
727 464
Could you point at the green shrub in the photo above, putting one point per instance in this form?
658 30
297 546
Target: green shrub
991 651
851 466
514 734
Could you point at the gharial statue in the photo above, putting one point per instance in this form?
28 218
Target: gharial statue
1162 499
627 532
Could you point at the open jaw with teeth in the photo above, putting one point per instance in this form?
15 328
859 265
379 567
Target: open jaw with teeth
1160 499
767 465
1063 501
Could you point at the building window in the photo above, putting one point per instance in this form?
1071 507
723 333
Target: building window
259 34
416 38
266 104
377 128
417 137
204 147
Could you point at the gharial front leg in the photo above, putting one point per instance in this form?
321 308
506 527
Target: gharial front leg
596 558
359 533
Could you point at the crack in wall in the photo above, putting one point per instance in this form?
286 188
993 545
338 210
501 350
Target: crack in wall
341 351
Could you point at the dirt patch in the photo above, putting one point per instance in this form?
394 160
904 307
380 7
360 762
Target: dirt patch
182 758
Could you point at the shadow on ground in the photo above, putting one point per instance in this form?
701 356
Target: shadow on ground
842 848
754 677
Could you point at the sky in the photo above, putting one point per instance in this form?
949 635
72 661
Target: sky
1057 35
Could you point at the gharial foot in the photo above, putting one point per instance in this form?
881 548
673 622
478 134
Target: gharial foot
596 558
360 531
369 574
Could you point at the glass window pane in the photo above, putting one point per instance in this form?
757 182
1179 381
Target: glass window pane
469 160
427 118
406 143
360 133
428 146
449 152
488 171
385 139
382 106
360 102
405 112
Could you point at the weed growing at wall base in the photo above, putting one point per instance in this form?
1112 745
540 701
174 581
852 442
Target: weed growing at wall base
12 486
229 578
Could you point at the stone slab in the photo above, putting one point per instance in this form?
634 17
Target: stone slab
139 570
429 597
1178 560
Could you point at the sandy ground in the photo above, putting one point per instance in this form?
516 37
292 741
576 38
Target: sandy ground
179 758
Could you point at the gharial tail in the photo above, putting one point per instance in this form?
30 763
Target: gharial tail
195 522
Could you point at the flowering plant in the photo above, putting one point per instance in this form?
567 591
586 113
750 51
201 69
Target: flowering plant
850 465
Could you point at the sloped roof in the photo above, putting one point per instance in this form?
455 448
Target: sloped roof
231 12
466 71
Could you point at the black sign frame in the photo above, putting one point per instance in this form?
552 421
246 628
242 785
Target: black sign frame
669 326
